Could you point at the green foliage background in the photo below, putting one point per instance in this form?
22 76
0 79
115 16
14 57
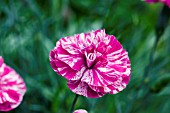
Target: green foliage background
29 29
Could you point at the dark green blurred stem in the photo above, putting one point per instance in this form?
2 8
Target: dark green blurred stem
73 104
159 30
108 12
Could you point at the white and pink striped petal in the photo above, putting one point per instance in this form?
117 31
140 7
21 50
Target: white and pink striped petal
80 111
82 88
12 87
93 63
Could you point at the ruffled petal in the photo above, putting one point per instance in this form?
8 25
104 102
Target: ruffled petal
167 2
64 69
152 1
82 88
12 88
75 61
93 63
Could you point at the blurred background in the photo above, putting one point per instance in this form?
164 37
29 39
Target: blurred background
29 29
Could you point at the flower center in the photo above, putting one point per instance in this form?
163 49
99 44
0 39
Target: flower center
90 58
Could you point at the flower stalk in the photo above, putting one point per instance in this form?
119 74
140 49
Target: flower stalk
161 25
73 104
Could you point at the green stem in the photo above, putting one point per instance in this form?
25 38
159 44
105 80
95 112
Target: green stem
73 104
161 25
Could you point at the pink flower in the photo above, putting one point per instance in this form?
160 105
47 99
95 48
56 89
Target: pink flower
166 2
152 1
93 63
80 111
12 87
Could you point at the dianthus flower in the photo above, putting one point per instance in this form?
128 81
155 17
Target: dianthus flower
80 111
152 1
12 87
166 2
93 63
